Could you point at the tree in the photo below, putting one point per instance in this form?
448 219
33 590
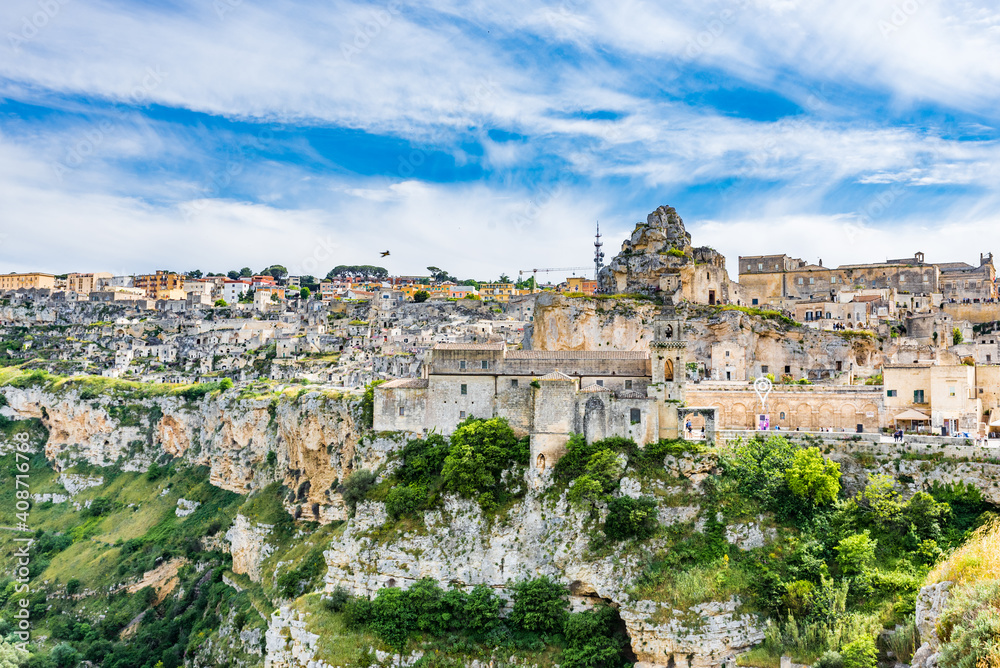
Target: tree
247 297
233 275
355 487
760 463
480 451
275 271
73 586
856 553
813 477
860 653
607 467
64 656
440 275
194 273
246 272
504 278
304 293
221 302
360 270
539 605
880 499
421 296
392 617
956 336
482 609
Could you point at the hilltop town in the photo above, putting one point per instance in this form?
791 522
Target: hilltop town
852 347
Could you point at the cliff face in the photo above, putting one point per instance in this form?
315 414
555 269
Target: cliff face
577 323
313 438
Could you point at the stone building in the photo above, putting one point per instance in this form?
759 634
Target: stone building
780 280
548 395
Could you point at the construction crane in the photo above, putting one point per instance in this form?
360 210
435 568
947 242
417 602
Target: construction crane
535 272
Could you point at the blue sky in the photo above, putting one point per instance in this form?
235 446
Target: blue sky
489 137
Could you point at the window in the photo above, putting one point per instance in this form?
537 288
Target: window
461 415
465 388
600 383
781 416
513 382
840 366
635 416
788 369
812 280
800 280
760 266
628 384
918 396
754 301
486 364
763 368
401 411
833 279
461 365
987 358
951 390
727 353
890 393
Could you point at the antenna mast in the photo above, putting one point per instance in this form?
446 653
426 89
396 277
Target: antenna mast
598 253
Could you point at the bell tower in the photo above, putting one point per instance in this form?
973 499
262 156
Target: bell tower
668 358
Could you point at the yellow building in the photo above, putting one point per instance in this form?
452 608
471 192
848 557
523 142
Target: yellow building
84 284
499 292
26 281
933 396
160 284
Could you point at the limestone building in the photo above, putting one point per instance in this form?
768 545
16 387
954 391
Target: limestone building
548 395
780 280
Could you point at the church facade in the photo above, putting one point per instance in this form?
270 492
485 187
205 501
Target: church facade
547 395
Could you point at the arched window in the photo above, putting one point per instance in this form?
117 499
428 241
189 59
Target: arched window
541 463
669 332
668 370
782 415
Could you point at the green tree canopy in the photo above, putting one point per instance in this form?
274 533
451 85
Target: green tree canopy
360 270
421 296
813 477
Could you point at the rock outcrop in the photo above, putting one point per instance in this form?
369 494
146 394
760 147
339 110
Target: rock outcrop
930 604
658 257
249 547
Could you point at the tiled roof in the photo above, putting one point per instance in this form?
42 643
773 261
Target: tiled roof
406 383
555 375
577 355
596 388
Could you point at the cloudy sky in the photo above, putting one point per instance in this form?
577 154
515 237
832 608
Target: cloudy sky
489 137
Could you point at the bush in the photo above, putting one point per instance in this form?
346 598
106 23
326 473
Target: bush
813 478
64 656
856 553
829 659
337 600
539 605
73 586
355 487
592 640
423 460
481 612
357 613
392 617
631 518
403 501
860 653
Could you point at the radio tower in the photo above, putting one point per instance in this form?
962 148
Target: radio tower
598 253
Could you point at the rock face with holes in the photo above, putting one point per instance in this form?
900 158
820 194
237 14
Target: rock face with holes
308 442
539 536
248 545
930 604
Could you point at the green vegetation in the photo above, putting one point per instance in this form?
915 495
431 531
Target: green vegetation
421 296
94 387
469 623
767 314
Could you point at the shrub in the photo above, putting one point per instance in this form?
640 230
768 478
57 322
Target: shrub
73 586
539 605
423 459
585 488
403 501
860 653
856 553
829 659
64 656
605 466
631 518
368 405
421 296
392 618
812 477
355 487
481 612
592 640
357 613
337 600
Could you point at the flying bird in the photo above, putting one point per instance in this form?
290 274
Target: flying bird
385 253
